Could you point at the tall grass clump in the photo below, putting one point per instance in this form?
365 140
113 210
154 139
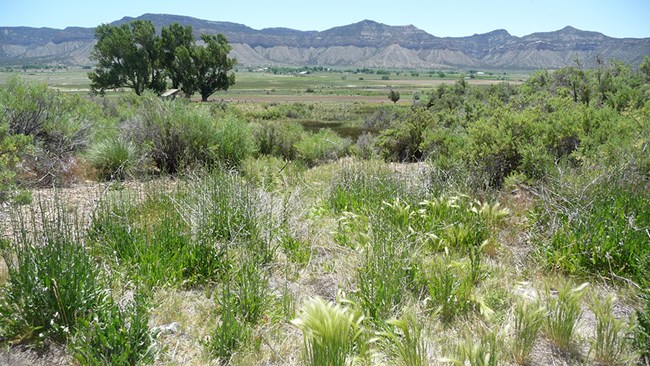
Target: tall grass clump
113 159
387 274
403 341
232 331
364 186
278 138
642 327
485 351
528 320
610 344
330 333
115 335
563 314
53 283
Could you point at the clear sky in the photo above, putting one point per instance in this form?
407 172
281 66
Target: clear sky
616 18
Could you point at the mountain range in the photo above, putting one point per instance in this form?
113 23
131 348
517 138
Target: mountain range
363 44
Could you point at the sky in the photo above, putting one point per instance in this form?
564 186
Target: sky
615 18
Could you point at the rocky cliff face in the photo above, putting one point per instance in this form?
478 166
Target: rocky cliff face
363 44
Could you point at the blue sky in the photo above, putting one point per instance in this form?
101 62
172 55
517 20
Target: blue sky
616 18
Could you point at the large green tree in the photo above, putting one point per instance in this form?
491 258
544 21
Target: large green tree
172 39
206 68
127 55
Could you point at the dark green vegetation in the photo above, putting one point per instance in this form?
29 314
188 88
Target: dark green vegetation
133 55
457 226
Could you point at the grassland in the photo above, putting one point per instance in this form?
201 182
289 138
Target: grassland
307 220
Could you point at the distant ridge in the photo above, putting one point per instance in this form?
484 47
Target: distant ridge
363 44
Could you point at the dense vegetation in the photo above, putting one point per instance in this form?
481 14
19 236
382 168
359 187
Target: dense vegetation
454 229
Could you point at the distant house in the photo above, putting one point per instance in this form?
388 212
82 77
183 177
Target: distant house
171 94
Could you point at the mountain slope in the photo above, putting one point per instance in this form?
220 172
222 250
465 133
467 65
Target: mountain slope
363 44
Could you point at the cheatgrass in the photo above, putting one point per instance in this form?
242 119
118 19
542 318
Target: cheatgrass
563 314
450 289
485 351
528 319
610 346
404 341
330 333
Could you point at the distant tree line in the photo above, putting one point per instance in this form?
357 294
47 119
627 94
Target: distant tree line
134 56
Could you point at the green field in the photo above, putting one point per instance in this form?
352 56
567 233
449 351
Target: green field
308 220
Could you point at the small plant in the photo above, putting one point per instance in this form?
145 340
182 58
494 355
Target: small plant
115 336
450 290
52 285
642 327
484 352
528 319
232 330
113 159
563 314
404 341
610 346
329 332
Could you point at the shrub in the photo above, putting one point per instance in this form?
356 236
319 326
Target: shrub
321 146
58 125
175 135
278 138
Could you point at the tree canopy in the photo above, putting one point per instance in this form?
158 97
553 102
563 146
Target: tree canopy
134 56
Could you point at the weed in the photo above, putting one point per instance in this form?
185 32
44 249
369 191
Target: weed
115 336
563 314
610 345
484 352
329 332
404 340
528 320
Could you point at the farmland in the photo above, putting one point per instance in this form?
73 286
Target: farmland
305 219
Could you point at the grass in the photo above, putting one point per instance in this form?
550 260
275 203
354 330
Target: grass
563 314
330 332
610 346
529 318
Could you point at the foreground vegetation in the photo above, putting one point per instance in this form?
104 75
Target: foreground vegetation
476 225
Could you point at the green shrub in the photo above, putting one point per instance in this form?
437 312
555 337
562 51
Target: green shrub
58 125
278 138
176 135
233 141
321 146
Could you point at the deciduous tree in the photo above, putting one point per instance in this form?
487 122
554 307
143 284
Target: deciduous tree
127 56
